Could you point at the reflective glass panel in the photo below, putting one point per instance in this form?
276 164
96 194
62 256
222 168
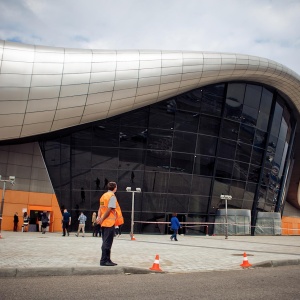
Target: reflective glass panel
226 149
230 130
135 118
204 165
257 156
105 158
106 135
243 152
206 145
162 114
182 162
240 170
132 137
160 139
158 160
180 184
234 101
186 121
254 172
184 142
209 125
156 182
237 189
224 168
212 99
252 95
250 191
276 120
131 159
246 134
198 204
260 138
201 185
221 186
190 101
249 115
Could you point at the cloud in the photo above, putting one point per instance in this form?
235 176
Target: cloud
267 28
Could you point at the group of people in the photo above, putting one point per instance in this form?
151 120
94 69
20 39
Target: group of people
25 222
44 222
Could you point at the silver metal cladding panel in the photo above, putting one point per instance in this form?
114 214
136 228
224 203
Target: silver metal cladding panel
43 89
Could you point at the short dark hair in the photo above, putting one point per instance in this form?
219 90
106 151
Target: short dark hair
111 186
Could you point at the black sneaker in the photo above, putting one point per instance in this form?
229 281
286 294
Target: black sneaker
107 264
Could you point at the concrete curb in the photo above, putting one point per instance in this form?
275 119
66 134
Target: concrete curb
36 272
276 263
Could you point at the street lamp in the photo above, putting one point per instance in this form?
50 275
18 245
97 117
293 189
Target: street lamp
137 190
226 197
11 180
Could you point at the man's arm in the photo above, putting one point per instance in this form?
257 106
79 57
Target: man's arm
105 215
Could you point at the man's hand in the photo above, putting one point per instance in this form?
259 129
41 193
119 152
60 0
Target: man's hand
99 220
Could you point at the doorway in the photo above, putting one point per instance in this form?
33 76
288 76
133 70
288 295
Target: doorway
35 214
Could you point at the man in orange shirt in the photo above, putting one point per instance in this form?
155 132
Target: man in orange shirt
109 215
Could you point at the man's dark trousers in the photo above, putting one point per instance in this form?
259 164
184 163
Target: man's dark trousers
66 228
108 234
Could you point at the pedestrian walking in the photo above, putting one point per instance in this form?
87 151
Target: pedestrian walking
96 227
25 222
175 225
66 222
45 222
109 215
16 221
81 225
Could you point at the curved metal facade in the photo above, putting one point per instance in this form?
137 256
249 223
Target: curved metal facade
44 89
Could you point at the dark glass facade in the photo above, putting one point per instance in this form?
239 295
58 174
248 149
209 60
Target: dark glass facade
229 138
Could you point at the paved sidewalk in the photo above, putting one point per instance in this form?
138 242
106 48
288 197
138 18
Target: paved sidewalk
35 254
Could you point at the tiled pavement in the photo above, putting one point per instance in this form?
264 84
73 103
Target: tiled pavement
33 253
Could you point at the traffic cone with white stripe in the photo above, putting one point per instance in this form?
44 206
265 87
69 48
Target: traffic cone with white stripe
132 237
155 266
245 263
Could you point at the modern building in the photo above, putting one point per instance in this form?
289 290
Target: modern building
185 127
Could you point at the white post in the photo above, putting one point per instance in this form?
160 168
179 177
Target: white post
226 197
132 213
2 205
138 190
11 180
226 219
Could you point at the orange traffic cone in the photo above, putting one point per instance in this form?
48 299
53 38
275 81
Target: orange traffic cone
155 266
245 263
132 237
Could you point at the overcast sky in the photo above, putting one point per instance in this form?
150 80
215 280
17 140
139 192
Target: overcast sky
266 28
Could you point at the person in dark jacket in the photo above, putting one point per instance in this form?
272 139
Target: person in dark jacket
45 222
16 221
66 222
175 225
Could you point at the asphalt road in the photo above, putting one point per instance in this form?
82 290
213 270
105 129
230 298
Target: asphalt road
263 283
